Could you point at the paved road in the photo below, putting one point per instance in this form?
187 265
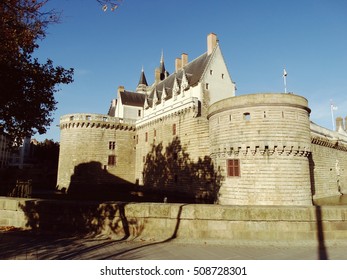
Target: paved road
26 245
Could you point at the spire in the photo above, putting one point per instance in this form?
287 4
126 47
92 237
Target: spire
142 80
163 73
142 85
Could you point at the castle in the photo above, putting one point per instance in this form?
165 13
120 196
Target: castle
189 134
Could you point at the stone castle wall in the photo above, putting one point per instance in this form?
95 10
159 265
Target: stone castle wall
86 142
284 159
270 136
328 162
169 148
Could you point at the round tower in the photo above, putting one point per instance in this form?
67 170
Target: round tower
260 145
95 150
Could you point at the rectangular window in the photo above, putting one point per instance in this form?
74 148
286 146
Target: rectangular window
233 166
111 145
146 137
139 113
247 116
174 129
112 160
155 133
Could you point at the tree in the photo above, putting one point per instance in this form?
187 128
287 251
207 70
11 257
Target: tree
47 153
27 86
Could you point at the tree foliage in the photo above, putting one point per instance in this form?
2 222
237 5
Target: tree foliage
27 86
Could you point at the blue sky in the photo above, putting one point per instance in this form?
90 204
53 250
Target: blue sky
258 39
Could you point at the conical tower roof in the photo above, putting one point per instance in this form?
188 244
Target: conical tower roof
142 80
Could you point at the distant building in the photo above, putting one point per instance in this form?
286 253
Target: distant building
188 134
21 157
4 151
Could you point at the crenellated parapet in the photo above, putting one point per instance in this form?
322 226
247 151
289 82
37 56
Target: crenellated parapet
261 151
95 121
333 144
165 117
172 108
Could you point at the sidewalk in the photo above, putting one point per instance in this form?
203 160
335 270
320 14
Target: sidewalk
25 245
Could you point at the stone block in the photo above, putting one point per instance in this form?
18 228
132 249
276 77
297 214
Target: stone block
2 203
159 210
5 222
137 210
11 204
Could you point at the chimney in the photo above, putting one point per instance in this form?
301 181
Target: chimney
157 75
178 64
339 123
184 58
120 89
211 42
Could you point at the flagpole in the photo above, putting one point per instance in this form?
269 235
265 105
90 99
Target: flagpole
285 80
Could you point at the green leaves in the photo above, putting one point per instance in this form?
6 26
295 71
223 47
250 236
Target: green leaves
27 87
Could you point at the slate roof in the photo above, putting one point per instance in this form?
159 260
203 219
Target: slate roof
193 71
143 80
132 98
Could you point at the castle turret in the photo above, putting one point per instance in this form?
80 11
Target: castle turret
260 144
142 85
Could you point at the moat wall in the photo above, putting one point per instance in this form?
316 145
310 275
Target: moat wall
191 222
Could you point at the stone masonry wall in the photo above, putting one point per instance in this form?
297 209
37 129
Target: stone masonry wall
157 222
179 141
87 141
270 136
328 162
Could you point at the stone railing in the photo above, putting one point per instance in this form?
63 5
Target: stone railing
155 221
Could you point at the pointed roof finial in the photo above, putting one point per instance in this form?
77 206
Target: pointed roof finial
163 73
162 56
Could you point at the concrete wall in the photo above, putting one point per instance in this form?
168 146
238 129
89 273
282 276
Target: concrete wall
264 224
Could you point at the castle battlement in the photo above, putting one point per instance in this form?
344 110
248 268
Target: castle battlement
95 121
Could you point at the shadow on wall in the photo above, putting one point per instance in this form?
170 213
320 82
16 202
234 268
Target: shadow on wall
322 250
81 218
91 181
173 174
